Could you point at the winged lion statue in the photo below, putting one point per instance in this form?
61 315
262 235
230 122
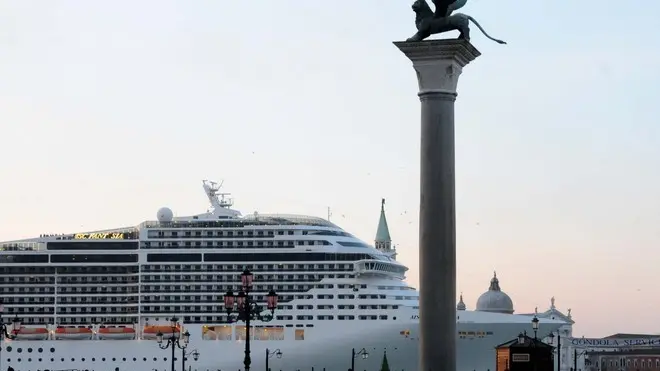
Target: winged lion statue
443 20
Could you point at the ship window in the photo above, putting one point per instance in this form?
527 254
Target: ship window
174 257
22 259
20 350
105 245
300 334
94 258
353 244
40 350
8 348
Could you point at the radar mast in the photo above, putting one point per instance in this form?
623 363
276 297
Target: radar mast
219 200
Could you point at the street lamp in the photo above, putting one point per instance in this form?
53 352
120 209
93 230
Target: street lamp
552 340
535 326
577 354
269 354
5 331
521 338
172 341
247 310
194 353
363 352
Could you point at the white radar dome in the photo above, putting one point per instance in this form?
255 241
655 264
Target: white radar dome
165 214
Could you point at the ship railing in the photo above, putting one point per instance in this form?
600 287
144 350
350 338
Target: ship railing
23 246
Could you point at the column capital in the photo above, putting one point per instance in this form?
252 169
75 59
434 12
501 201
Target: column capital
438 63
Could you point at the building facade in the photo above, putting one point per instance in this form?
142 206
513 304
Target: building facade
624 360
567 356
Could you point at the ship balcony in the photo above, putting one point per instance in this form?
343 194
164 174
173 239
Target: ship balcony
380 268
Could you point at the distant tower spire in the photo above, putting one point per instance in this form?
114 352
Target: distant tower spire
383 241
461 303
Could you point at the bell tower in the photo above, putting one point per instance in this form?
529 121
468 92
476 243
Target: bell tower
383 241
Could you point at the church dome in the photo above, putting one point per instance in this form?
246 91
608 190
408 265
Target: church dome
495 300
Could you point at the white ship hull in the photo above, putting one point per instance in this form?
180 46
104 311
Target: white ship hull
325 346
96 300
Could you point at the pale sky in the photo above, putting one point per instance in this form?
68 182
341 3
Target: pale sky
110 110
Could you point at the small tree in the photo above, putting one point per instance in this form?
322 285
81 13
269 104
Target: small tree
385 366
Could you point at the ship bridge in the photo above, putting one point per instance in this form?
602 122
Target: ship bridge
380 268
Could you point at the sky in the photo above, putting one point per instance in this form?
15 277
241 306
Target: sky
111 110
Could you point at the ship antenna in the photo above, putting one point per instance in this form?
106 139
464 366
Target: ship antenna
217 199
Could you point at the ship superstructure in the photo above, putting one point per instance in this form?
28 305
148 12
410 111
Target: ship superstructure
75 292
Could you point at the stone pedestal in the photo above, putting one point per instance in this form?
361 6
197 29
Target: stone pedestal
438 64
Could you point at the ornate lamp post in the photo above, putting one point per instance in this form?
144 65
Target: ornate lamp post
363 352
270 354
172 341
551 341
577 354
535 326
5 331
247 310
194 353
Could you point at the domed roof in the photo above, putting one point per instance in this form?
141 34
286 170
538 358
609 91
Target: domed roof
461 304
495 300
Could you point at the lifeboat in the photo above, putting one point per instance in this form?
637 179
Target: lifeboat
73 333
149 332
116 333
31 333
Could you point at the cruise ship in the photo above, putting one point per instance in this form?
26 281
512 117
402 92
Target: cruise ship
97 300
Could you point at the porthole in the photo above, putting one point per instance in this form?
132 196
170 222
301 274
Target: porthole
164 358
134 359
8 359
144 359
73 359
52 350
93 359
155 359
61 359
52 359
82 359
18 360
124 359
40 359
103 359
40 350
20 350
8 348
114 359
29 359
29 350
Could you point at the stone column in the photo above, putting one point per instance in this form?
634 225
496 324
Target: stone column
438 64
